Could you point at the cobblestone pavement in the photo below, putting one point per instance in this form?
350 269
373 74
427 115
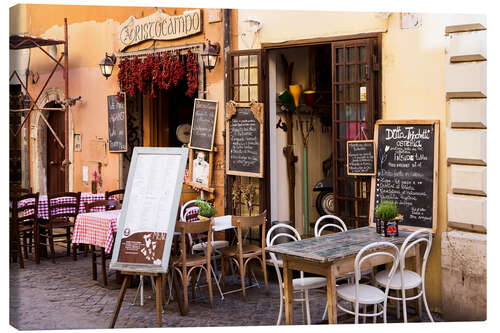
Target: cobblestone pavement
63 296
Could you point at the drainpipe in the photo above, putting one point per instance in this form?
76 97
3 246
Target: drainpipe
226 28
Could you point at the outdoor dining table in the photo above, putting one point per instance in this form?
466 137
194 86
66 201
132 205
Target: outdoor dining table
96 228
332 255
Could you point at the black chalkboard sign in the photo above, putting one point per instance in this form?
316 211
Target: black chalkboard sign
117 124
203 124
244 142
361 158
407 172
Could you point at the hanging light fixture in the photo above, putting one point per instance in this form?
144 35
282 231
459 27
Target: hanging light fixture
107 65
210 55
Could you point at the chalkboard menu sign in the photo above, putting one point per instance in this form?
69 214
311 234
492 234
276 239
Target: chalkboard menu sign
117 124
203 124
361 158
245 139
407 170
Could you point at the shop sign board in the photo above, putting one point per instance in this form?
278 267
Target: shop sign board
361 158
407 171
159 26
149 212
117 124
203 124
245 139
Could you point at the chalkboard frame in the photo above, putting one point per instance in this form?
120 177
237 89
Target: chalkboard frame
374 158
149 268
435 182
213 129
258 113
124 101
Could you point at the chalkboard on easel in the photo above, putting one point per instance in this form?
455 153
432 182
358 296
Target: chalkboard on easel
203 124
117 124
361 158
407 170
245 139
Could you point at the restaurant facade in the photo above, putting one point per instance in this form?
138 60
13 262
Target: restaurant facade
359 67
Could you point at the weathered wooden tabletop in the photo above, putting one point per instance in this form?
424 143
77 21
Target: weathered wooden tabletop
335 246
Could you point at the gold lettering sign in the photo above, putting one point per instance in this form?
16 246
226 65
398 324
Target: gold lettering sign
159 26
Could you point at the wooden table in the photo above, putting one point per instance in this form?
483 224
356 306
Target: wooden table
331 255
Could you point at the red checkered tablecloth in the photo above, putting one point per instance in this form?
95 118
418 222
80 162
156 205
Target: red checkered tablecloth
43 206
96 228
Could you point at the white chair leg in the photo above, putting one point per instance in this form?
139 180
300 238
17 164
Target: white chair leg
405 315
397 305
281 305
364 312
419 305
324 312
217 283
308 310
427 306
304 320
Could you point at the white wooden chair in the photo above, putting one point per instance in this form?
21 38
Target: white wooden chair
302 284
364 294
409 279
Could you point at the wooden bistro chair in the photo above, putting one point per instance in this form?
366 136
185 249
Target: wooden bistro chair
89 207
63 209
23 226
186 263
241 253
117 194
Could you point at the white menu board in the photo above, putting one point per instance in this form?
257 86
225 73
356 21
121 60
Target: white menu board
149 211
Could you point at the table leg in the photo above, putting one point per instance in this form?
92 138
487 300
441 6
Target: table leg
158 301
288 286
119 302
331 294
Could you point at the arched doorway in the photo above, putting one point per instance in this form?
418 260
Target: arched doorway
42 140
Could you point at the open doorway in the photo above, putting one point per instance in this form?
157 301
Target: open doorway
342 77
160 121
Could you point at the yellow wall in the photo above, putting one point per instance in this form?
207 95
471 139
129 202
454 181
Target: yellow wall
413 78
92 32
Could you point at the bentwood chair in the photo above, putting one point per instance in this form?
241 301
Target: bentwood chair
409 279
186 263
241 254
364 294
90 207
63 209
23 227
189 213
302 284
117 194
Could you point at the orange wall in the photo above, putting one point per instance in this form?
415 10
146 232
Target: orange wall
92 31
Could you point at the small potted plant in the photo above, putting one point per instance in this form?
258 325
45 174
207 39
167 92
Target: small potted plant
206 210
387 218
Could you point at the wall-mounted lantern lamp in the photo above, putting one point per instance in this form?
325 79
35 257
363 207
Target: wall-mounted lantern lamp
210 55
107 65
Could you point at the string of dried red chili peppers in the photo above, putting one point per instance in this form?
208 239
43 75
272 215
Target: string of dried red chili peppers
157 72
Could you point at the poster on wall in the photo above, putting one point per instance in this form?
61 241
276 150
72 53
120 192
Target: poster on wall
117 124
360 158
149 211
203 124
